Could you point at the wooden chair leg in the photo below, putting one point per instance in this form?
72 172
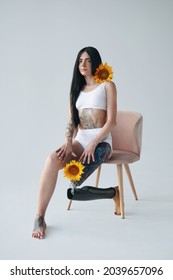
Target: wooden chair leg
129 175
98 176
69 205
120 181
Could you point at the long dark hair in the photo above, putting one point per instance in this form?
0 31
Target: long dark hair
78 81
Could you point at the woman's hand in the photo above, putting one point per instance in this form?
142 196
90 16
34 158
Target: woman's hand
88 154
64 151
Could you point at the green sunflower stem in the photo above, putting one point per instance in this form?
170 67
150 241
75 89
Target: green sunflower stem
73 186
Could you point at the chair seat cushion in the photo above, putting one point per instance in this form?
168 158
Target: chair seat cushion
122 157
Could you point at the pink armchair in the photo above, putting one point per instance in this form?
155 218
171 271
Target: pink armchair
127 143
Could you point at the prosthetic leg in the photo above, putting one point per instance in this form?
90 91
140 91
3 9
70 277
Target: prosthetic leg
102 153
90 193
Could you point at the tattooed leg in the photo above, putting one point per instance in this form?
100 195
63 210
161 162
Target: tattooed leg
85 193
39 228
102 153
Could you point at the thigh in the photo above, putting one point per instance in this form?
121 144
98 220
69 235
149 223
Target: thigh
101 154
77 149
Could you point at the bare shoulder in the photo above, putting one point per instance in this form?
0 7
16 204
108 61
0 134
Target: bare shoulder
110 86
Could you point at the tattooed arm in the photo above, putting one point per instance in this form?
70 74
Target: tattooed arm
69 130
64 151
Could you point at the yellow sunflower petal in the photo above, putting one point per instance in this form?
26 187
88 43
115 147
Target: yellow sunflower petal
103 73
73 170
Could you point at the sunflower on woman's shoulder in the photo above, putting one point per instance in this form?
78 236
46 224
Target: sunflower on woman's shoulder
104 73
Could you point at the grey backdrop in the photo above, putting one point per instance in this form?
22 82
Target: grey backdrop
39 41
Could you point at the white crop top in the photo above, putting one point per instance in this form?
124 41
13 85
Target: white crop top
95 98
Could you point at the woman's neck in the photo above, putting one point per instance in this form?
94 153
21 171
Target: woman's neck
90 81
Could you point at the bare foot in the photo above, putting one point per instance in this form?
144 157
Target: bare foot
116 199
39 228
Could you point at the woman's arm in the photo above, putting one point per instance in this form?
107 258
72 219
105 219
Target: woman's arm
111 92
69 130
66 149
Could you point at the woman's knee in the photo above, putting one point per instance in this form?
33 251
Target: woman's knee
52 160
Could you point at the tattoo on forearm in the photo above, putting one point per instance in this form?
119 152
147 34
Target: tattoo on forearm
69 130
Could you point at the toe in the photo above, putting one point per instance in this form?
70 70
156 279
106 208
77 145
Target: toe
41 233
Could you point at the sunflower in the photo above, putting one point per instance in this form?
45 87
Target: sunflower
103 73
73 170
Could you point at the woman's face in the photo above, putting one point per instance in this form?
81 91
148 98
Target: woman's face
85 64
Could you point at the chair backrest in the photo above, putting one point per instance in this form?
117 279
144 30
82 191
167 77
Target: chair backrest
127 134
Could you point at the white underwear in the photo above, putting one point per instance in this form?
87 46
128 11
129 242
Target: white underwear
84 136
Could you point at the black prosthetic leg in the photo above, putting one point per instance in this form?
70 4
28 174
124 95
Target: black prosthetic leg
102 153
90 193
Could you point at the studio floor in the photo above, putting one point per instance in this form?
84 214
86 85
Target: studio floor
89 230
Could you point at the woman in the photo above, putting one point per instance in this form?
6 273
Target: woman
92 115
